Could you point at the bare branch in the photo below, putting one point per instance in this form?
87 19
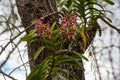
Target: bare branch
18 67
6 74
9 54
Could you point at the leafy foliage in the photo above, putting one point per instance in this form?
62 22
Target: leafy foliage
50 66
88 12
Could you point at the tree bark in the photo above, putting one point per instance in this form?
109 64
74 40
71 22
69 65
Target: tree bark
33 9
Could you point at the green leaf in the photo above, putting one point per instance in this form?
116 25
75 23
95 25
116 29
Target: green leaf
59 42
65 60
56 31
60 76
38 51
33 21
31 41
40 71
47 41
95 4
63 2
68 3
56 37
43 70
108 19
30 36
74 53
69 60
79 55
109 2
56 69
84 38
53 26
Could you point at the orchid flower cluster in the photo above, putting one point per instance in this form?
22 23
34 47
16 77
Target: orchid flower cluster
69 26
43 29
67 29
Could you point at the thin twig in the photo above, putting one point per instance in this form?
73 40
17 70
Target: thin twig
9 54
6 75
20 56
96 63
18 67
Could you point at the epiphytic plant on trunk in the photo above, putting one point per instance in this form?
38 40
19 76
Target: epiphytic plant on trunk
54 41
67 42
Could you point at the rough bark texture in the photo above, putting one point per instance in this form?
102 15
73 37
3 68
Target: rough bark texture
34 9
31 10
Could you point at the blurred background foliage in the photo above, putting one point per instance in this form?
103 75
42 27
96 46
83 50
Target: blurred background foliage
103 54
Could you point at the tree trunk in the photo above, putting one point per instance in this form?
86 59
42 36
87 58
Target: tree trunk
33 9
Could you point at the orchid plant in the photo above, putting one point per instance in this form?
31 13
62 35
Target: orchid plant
69 32
54 40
